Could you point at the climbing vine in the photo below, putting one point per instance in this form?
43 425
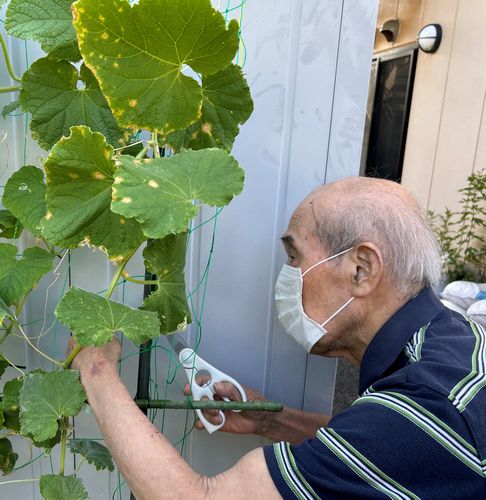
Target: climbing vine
111 70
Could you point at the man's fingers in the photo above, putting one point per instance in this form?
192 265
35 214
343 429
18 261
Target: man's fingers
227 390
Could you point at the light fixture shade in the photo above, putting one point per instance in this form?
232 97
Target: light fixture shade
429 38
390 30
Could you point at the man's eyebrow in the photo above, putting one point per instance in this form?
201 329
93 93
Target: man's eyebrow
288 239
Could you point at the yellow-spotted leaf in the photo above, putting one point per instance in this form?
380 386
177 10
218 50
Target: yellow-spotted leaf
226 104
24 196
94 319
79 173
138 53
160 193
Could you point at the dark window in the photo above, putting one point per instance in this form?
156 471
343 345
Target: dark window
389 108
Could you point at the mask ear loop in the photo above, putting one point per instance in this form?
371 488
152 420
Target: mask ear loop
337 312
326 260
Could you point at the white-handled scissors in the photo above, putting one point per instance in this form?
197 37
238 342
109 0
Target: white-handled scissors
194 365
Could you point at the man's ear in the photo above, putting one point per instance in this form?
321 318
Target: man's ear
367 269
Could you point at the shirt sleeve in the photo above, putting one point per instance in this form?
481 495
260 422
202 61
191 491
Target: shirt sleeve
383 446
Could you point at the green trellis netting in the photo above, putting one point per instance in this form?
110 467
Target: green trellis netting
44 329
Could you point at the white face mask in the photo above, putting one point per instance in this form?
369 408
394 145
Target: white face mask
291 314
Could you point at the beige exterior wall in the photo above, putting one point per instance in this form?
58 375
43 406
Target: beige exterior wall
446 138
409 12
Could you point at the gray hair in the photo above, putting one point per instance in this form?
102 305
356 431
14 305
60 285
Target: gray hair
394 222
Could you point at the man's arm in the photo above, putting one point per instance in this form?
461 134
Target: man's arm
152 467
289 425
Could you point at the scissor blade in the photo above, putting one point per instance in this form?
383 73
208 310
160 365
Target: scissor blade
177 343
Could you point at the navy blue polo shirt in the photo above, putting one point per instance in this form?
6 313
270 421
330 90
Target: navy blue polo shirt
418 428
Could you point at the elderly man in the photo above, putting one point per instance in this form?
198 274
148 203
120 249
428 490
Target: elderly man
361 261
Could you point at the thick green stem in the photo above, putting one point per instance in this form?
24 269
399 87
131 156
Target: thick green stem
7 60
209 404
10 88
72 355
64 430
118 273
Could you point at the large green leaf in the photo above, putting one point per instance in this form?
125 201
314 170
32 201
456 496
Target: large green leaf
10 408
54 487
18 276
47 397
50 92
10 226
160 193
166 258
49 22
80 173
226 104
7 456
94 319
94 453
138 53
24 196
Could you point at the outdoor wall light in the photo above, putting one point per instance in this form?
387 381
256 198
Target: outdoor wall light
390 29
429 38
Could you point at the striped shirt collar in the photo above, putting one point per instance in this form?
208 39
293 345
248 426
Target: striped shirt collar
389 341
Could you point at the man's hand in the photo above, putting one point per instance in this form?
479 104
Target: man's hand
244 422
91 360
288 425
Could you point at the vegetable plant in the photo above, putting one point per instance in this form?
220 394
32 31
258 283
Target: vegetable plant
462 233
111 70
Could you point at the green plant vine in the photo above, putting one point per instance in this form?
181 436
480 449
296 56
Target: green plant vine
8 63
462 233
100 186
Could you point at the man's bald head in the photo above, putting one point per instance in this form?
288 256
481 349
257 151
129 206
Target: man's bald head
360 209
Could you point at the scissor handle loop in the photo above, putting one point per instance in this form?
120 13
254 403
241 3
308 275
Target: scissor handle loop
193 364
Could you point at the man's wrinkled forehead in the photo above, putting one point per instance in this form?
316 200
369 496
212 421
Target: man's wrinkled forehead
301 225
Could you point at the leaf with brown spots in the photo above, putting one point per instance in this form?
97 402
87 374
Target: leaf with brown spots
160 193
226 105
138 53
79 175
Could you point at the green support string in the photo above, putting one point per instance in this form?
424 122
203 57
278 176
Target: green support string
166 375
